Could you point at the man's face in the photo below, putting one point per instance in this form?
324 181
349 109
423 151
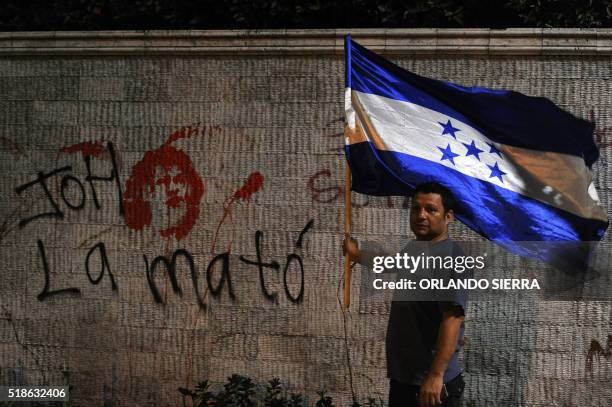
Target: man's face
427 218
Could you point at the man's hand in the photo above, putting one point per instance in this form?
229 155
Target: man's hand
431 390
350 247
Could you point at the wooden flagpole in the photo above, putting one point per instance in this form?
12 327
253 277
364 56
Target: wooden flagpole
347 234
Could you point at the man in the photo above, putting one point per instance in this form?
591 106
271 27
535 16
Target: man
422 336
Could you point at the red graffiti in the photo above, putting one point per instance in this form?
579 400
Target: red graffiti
182 185
190 131
597 350
331 193
253 184
328 194
87 148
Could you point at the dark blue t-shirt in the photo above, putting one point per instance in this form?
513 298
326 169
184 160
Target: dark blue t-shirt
412 332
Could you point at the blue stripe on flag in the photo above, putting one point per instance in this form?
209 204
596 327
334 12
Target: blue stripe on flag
494 212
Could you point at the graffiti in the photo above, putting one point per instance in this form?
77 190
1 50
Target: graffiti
46 293
324 194
182 185
42 178
104 263
260 266
170 268
86 148
597 350
91 149
223 259
225 273
173 170
253 184
324 190
65 184
274 265
293 256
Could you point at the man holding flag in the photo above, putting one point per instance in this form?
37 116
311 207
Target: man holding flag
518 167
422 336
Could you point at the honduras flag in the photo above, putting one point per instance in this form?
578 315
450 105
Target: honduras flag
519 166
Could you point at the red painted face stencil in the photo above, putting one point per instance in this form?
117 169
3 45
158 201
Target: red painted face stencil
173 169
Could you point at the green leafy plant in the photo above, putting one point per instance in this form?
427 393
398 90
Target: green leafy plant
296 400
200 397
241 391
274 394
238 392
324 399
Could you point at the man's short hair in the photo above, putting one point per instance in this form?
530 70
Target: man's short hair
448 200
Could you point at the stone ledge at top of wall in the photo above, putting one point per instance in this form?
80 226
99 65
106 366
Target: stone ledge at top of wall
478 41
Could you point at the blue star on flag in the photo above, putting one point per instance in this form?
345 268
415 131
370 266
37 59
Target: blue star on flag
494 150
496 172
473 150
447 154
449 129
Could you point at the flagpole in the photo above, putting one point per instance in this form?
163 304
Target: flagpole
347 234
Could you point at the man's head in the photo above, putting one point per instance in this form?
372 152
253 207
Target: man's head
431 211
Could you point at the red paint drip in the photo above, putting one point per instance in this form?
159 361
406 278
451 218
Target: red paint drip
87 148
253 184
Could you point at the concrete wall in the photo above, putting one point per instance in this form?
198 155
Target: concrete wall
249 128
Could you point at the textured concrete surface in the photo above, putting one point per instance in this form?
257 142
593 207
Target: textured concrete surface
280 116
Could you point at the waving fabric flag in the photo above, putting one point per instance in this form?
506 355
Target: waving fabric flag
518 166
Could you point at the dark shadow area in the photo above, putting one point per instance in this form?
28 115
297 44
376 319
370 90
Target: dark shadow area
42 15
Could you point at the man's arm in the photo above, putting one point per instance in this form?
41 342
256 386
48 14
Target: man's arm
365 258
431 389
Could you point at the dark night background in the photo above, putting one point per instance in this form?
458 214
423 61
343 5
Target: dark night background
23 15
